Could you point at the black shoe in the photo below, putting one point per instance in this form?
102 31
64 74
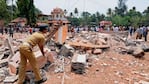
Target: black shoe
41 81
26 82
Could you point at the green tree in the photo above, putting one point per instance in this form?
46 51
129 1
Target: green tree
97 16
119 20
71 14
27 9
12 10
102 17
109 13
122 7
146 11
76 11
37 11
74 21
93 20
32 17
134 17
145 18
3 10
85 18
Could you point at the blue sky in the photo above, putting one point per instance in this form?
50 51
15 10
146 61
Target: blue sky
46 6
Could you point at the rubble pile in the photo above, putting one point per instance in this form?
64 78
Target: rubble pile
101 57
135 47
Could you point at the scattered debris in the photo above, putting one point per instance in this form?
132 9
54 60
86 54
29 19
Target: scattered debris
93 54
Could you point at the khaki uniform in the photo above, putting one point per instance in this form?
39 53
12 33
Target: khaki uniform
26 53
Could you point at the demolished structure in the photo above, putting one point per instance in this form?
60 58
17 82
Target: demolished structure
78 52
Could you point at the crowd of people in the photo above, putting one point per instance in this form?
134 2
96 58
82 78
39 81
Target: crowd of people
141 31
13 29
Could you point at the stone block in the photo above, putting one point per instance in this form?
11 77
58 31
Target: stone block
138 52
97 51
66 50
79 63
10 79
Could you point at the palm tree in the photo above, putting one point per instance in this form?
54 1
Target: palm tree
71 14
146 11
109 13
76 11
65 11
122 8
134 8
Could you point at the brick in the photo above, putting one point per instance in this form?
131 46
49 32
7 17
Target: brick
97 51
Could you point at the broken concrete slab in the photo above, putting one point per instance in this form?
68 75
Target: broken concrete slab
138 52
11 79
79 63
66 50
3 73
143 82
145 47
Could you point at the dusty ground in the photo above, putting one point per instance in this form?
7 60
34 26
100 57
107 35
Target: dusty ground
109 68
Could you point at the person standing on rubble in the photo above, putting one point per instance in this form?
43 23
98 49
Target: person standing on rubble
145 32
26 53
130 30
72 31
139 33
11 30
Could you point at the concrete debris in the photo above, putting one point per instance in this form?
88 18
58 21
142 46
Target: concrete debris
66 50
10 79
104 56
145 47
59 69
3 73
138 53
143 82
97 51
79 63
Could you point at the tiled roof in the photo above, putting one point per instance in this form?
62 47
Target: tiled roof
19 19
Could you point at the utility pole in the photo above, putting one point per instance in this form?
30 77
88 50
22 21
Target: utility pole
12 11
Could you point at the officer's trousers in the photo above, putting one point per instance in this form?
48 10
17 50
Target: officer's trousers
27 54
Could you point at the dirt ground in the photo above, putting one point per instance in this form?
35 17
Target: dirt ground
108 68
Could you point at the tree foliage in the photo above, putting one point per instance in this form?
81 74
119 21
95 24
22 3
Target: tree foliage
76 11
3 10
27 9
